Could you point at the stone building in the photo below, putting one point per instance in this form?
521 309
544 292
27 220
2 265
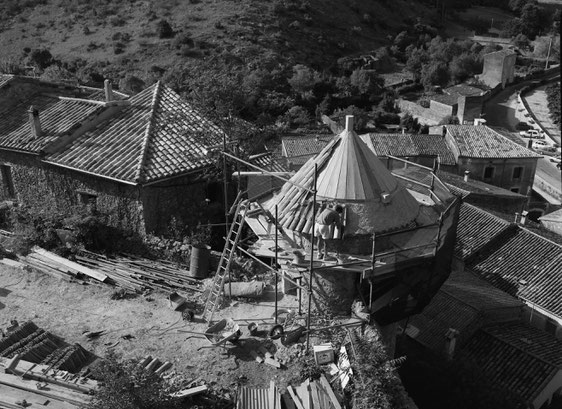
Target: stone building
499 68
139 160
463 101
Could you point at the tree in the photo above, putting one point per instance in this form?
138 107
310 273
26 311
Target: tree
303 79
521 41
409 123
435 73
465 66
418 58
56 73
40 58
124 385
450 120
365 82
531 17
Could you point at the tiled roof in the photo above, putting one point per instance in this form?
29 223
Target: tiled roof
446 99
483 142
158 135
476 186
515 357
463 303
270 162
545 289
304 146
476 230
523 264
56 116
434 145
394 144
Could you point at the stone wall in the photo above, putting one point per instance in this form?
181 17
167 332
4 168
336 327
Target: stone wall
442 110
503 172
53 189
470 108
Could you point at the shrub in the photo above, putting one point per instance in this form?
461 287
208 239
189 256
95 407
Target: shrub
117 21
164 29
124 385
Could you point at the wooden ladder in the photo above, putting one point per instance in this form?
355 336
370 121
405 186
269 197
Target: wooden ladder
225 261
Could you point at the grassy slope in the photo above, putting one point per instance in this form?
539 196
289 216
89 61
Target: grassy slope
314 32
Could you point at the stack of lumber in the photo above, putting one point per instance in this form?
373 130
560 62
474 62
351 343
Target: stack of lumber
130 273
137 274
33 344
312 395
154 365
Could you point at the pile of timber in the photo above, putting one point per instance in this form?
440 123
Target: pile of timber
130 273
33 344
312 395
23 384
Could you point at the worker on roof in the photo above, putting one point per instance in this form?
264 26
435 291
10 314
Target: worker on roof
324 227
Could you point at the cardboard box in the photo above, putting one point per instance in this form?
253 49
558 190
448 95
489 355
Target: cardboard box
323 354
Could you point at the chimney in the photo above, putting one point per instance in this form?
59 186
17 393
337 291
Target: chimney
108 91
349 123
524 214
466 175
516 217
35 122
444 131
403 130
450 342
530 144
479 121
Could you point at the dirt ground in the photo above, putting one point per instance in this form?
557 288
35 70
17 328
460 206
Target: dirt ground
68 309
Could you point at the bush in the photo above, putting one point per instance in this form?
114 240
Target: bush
124 385
164 29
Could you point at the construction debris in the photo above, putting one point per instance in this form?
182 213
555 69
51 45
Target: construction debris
128 272
262 398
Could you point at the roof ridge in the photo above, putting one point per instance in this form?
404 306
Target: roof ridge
148 131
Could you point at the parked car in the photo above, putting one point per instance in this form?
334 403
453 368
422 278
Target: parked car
532 133
539 144
555 159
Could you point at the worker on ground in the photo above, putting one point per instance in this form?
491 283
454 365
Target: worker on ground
324 227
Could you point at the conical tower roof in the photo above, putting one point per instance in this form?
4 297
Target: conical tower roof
348 173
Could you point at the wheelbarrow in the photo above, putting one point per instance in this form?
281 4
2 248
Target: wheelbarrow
219 334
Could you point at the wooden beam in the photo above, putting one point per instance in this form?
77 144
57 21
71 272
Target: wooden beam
71 264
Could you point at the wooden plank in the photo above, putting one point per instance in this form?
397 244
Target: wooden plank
11 263
274 363
326 385
12 395
305 394
314 395
189 392
56 392
71 264
296 399
289 403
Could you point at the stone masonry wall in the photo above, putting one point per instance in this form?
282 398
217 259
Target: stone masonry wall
52 189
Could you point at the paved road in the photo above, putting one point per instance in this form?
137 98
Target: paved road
501 110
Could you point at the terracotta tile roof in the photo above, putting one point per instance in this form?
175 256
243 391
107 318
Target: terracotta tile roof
465 303
523 264
515 357
447 99
476 230
56 116
394 144
303 147
483 142
271 162
476 186
434 145
158 135
545 289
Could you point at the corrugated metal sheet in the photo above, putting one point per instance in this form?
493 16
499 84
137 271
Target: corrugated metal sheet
258 398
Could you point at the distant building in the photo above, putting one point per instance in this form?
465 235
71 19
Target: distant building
490 157
499 68
463 101
552 221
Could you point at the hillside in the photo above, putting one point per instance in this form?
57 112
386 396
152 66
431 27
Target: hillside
118 38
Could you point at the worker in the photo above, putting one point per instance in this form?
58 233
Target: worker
324 225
